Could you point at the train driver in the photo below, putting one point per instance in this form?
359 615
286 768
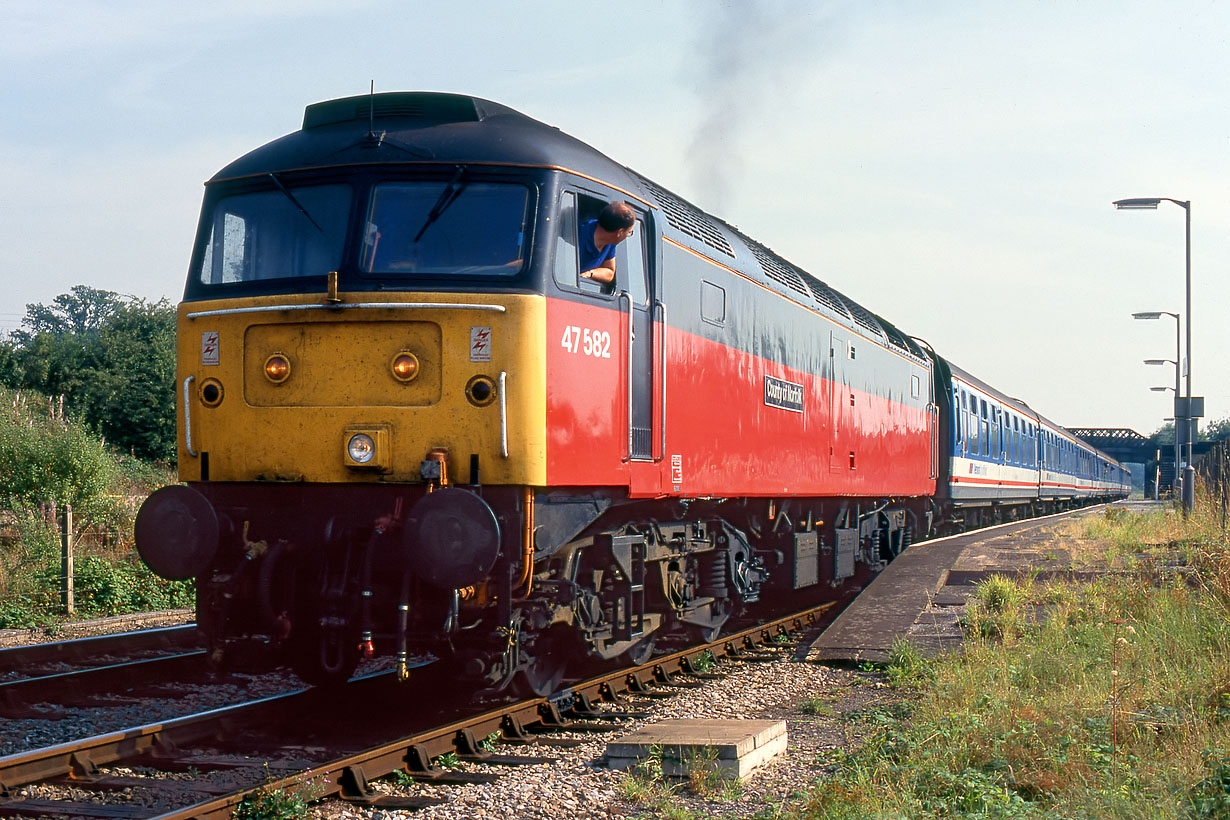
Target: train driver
598 238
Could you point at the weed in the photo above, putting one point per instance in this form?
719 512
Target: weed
1211 796
816 706
449 760
487 744
269 803
704 662
906 665
994 610
645 783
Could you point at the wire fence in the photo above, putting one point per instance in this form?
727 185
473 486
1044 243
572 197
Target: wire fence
52 564
1213 468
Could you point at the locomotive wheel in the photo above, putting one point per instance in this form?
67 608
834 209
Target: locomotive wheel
642 651
719 613
705 634
544 672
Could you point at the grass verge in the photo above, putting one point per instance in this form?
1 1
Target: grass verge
1114 702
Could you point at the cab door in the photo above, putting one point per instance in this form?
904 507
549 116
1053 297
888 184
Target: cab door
635 277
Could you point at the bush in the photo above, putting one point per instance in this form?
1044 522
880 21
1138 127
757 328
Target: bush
47 461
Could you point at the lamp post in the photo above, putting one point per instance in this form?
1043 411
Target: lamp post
1151 203
1178 441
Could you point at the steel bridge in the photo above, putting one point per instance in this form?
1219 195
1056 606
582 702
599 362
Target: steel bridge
1126 445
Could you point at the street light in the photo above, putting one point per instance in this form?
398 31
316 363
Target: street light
1151 203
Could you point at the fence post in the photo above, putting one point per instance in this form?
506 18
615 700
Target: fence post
66 559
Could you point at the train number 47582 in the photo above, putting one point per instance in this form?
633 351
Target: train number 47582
596 343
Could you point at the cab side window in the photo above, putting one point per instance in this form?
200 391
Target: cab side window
566 272
575 210
630 263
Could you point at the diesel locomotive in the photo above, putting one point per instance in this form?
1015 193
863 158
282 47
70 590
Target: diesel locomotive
407 424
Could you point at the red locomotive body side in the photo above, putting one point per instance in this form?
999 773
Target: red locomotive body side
855 437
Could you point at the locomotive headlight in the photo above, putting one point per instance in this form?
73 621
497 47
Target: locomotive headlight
405 366
277 368
366 447
361 448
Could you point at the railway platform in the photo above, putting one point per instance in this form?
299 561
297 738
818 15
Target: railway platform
921 594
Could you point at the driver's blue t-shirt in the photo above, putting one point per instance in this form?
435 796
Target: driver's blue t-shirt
591 257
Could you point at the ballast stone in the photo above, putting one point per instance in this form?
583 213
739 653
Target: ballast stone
732 748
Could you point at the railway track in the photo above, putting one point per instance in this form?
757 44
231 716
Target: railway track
335 743
73 673
83 651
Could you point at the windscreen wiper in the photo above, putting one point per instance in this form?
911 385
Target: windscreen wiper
294 201
447 197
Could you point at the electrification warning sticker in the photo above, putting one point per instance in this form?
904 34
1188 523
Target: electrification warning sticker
480 344
210 348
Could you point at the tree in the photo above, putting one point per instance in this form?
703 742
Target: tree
48 458
1216 430
113 359
1213 431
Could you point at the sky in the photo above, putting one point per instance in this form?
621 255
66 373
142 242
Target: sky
949 165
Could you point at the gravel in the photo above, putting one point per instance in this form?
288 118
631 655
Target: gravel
577 786
99 626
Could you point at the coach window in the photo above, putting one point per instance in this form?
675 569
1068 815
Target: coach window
986 428
975 427
966 430
958 420
997 434
971 422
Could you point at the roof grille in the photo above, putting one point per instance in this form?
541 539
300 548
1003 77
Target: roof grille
864 317
826 295
898 339
776 268
687 219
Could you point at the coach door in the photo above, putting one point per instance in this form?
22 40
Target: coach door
638 303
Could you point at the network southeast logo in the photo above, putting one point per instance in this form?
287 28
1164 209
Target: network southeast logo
786 395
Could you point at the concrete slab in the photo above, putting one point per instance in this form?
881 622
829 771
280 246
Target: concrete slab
732 748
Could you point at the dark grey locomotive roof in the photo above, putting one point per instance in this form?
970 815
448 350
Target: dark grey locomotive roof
417 127
428 127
